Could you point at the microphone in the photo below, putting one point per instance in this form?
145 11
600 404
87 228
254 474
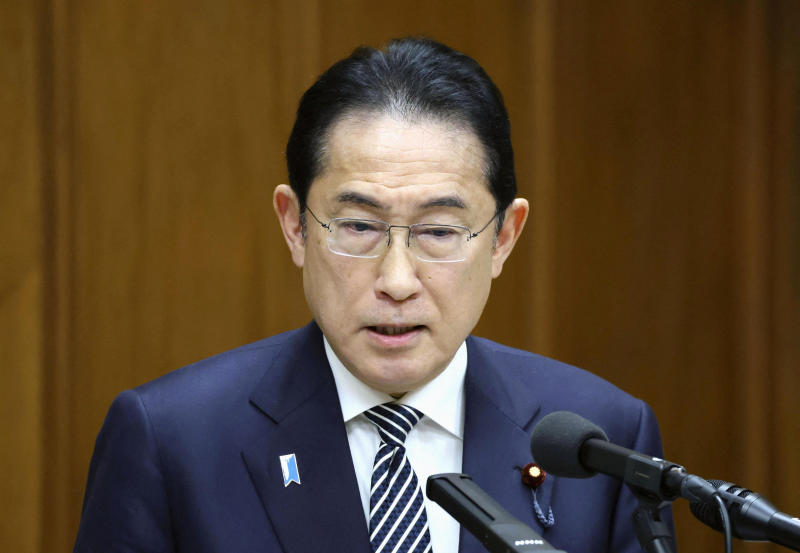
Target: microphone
753 518
497 529
565 444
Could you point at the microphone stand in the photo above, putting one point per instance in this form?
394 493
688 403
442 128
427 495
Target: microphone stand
652 533
643 475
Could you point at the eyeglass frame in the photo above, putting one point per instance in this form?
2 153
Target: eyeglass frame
470 235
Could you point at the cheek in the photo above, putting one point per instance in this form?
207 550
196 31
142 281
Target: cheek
319 281
331 288
460 291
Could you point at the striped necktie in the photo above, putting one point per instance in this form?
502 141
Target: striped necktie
398 522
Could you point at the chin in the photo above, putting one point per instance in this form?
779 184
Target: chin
391 383
394 387
409 383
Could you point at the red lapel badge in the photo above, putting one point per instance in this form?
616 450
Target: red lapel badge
533 475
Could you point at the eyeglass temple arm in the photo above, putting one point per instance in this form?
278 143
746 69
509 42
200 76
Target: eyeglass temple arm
474 234
325 226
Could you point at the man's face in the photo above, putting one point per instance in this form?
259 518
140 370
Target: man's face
396 321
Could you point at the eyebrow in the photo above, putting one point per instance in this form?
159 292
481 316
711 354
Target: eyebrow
445 201
355 198
358 199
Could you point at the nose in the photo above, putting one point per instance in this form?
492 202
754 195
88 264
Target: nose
397 273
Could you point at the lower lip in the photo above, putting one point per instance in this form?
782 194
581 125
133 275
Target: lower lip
394 340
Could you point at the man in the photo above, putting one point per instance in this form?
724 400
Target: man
401 212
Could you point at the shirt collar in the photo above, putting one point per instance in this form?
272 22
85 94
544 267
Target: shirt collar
441 399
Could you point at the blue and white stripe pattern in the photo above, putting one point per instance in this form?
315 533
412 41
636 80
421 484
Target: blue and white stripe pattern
398 522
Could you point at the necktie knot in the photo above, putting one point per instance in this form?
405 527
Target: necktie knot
394 421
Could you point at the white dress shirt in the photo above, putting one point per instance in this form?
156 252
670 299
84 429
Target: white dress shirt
433 446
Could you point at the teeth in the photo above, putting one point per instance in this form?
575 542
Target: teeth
393 330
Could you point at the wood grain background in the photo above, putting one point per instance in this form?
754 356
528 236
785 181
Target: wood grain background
659 143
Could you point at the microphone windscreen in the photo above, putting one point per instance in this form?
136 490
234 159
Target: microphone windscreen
556 443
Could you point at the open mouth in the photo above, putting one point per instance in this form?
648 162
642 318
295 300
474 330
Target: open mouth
394 330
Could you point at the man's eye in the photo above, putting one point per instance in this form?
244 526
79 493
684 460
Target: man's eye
437 233
359 227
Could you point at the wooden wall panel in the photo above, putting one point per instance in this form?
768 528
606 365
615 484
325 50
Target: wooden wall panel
783 132
665 239
21 282
658 143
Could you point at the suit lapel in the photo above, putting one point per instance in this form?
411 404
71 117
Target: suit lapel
298 399
499 414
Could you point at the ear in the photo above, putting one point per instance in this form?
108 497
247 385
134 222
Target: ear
516 215
287 208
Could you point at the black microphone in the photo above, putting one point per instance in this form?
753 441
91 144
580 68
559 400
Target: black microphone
565 444
497 529
753 518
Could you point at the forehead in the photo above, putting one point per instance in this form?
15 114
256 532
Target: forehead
401 161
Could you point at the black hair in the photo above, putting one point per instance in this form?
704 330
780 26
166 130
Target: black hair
413 79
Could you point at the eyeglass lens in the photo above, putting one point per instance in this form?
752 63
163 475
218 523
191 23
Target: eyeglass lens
363 238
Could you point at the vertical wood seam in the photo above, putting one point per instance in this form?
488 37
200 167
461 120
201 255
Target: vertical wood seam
56 94
543 198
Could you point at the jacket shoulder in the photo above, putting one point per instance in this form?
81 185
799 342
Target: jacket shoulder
231 365
219 384
550 385
539 370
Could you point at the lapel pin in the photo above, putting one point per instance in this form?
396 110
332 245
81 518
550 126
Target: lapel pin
533 476
289 469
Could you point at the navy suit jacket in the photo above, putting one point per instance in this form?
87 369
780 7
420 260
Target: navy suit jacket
190 461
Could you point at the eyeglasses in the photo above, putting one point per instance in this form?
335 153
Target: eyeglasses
368 239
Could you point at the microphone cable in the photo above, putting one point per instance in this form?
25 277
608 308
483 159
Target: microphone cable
726 522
